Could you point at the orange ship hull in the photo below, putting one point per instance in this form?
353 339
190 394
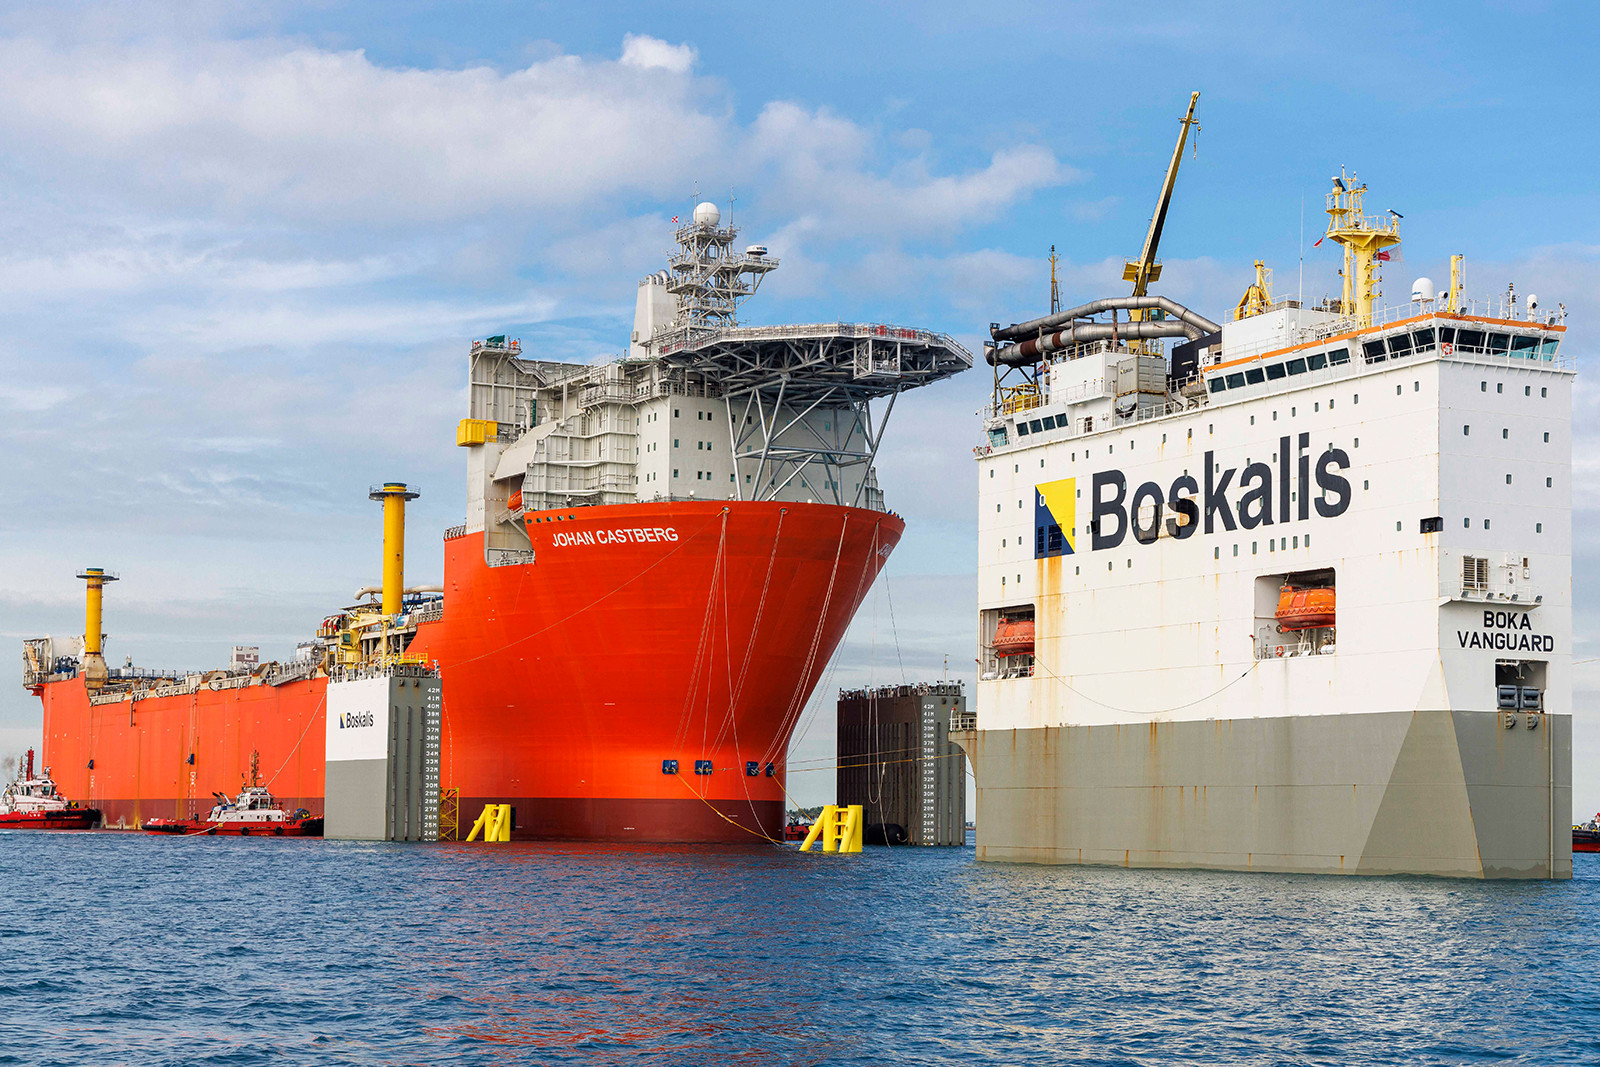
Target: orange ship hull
680 631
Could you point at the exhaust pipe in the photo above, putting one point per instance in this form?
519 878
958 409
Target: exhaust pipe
1197 324
394 496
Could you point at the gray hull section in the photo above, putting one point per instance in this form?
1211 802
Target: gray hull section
1449 793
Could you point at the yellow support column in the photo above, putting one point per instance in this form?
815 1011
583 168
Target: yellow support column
482 824
830 828
94 664
394 496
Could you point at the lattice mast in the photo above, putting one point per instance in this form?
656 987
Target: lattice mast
709 279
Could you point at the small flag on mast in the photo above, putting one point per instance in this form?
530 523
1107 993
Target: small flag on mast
674 219
1320 240
1383 256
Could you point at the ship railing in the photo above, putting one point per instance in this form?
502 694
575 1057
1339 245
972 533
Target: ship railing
453 532
293 672
963 721
507 557
1236 314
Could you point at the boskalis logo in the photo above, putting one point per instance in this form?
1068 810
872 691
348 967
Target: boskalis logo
1054 518
1181 509
352 719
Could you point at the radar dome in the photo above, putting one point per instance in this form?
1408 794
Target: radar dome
1422 290
706 214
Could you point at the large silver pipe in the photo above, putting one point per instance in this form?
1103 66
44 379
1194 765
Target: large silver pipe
1029 351
1198 324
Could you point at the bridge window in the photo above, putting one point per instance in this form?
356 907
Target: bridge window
1339 356
1276 371
1317 360
1236 381
1255 376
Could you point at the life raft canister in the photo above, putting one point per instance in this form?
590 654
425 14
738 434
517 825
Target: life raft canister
1014 637
1304 609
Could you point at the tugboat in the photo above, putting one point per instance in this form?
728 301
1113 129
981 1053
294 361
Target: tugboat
1586 835
31 803
253 812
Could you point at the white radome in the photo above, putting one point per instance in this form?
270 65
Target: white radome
706 214
1422 290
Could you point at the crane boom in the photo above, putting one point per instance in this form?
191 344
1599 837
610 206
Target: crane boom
1146 269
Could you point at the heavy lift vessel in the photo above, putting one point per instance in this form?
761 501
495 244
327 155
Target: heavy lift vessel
1294 595
661 553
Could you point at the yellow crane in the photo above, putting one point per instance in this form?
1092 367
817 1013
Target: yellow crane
1146 269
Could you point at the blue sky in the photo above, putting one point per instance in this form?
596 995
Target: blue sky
246 245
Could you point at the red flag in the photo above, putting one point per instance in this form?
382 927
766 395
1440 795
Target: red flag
674 218
1383 256
1320 240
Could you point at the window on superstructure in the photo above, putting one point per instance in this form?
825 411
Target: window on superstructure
1422 340
1466 431
1499 344
1475 571
1255 375
1508 479
1317 360
1236 381
1296 365
674 412
1217 384
1339 356
1469 340
1500 387
1549 483
1544 392
1505 434
1035 425
1400 345
1373 351
1022 429
1275 371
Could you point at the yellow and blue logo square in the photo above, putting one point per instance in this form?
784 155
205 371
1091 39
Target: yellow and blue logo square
1054 509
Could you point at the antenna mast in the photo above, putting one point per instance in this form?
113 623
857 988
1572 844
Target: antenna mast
1055 287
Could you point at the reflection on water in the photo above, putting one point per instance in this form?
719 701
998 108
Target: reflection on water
127 949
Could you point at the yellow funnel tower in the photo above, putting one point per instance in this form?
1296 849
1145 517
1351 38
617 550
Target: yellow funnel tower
94 664
394 496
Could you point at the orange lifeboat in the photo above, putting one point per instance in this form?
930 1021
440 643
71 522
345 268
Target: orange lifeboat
1304 609
1014 637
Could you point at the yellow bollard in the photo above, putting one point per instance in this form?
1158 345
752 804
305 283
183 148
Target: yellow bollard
841 829
495 822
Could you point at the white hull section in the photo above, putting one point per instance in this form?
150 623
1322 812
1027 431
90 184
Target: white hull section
1452 794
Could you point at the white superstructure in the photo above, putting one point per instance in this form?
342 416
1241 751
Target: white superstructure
1336 541
1425 478
700 407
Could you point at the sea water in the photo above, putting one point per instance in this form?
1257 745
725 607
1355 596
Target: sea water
120 948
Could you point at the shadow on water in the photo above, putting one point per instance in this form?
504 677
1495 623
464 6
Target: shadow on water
123 949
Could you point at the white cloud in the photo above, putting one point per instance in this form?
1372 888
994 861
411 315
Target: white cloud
650 53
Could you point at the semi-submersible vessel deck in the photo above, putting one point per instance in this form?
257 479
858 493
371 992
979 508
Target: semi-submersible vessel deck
1295 595
660 554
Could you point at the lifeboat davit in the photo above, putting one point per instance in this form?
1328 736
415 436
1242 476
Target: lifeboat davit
1014 637
1304 609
